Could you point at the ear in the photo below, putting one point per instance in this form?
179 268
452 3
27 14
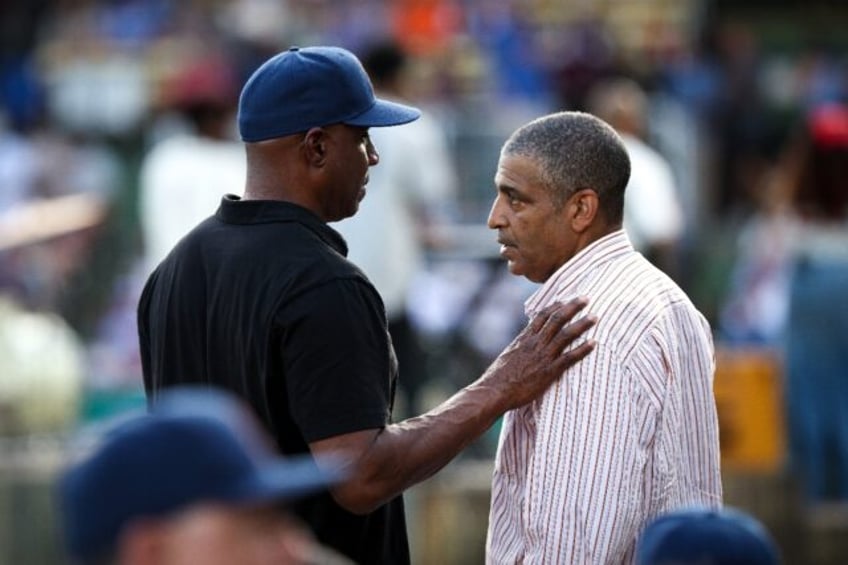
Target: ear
583 209
314 146
141 543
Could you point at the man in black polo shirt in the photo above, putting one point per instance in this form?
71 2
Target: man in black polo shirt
260 299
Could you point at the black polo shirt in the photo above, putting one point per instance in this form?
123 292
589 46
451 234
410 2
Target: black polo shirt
260 299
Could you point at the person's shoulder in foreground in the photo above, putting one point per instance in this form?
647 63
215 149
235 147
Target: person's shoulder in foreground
704 536
195 480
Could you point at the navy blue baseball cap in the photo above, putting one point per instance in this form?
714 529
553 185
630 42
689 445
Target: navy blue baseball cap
310 87
707 536
196 445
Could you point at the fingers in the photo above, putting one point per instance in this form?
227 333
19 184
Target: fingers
567 336
572 356
551 320
575 329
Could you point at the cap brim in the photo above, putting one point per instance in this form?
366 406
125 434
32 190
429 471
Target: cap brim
277 478
281 480
385 113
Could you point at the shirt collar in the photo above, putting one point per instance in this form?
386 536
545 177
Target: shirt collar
607 248
234 210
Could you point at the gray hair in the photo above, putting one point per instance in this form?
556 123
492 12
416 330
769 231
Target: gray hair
574 151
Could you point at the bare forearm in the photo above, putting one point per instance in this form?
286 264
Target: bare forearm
408 452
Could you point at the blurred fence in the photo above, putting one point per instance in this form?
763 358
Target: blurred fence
28 528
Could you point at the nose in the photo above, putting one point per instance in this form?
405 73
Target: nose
373 156
496 218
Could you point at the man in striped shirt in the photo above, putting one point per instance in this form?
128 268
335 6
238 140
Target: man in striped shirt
631 432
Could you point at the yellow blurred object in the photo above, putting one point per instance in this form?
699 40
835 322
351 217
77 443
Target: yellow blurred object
41 371
749 396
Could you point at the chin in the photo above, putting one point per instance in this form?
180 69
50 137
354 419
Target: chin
338 217
519 272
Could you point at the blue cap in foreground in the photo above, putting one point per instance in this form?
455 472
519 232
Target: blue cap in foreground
200 446
311 87
707 536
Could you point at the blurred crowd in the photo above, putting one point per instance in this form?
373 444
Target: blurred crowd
117 135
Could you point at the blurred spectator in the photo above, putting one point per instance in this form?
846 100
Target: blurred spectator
653 217
424 26
755 308
584 53
816 187
183 176
195 481
42 357
21 86
93 58
707 537
511 39
52 182
410 194
114 363
21 93
740 121
19 166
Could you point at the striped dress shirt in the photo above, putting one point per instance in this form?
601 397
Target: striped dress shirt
627 434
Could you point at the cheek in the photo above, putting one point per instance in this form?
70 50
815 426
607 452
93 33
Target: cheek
541 246
535 257
531 235
362 157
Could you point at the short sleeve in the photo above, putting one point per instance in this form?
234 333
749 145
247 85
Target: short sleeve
338 360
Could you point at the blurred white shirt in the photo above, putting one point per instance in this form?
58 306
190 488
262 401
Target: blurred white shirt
652 209
182 180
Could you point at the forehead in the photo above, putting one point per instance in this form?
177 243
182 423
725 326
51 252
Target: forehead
518 171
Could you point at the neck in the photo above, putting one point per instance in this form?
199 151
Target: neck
279 184
594 233
272 171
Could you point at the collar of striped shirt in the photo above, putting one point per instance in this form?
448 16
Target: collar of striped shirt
599 251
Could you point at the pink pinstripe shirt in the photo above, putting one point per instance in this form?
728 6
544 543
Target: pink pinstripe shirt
628 433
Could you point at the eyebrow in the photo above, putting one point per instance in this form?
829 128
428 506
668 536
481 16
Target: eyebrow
513 193
496 183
